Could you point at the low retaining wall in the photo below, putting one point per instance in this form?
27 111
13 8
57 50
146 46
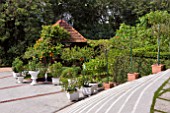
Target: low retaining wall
5 69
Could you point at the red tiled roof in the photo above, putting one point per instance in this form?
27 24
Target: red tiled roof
75 35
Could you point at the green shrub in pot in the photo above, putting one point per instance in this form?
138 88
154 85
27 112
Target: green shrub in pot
55 69
17 65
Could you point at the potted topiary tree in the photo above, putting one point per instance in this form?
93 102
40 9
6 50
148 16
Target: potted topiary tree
128 33
16 66
33 71
158 67
159 22
108 81
132 75
55 70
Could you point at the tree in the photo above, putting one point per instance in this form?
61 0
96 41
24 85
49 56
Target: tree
144 36
159 22
20 23
49 46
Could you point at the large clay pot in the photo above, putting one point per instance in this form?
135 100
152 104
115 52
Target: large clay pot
132 76
157 68
108 85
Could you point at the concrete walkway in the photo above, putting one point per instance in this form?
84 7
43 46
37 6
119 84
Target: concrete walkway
131 97
24 98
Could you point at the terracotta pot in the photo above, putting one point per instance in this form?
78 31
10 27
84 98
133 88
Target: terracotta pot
108 85
157 68
115 84
132 76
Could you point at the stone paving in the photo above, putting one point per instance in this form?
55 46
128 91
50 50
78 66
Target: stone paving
131 97
162 103
24 98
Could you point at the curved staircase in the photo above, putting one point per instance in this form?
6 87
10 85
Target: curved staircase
131 97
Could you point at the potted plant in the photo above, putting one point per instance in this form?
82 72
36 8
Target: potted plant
55 70
84 79
20 78
128 33
33 71
23 74
71 89
107 83
70 82
72 92
86 89
132 75
91 71
17 67
42 76
159 24
92 82
157 67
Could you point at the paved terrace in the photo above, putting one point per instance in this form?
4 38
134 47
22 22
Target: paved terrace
131 97
24 98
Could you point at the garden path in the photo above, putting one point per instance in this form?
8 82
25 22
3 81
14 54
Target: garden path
24 98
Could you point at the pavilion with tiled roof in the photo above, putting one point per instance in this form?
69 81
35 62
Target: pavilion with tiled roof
75 37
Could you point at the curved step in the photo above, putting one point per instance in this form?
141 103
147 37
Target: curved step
129 96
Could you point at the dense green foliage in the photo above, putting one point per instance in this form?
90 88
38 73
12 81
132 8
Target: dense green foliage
20 24
134 48
55 69
71 56
48 47
33 65
143 39
17 65
21 20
